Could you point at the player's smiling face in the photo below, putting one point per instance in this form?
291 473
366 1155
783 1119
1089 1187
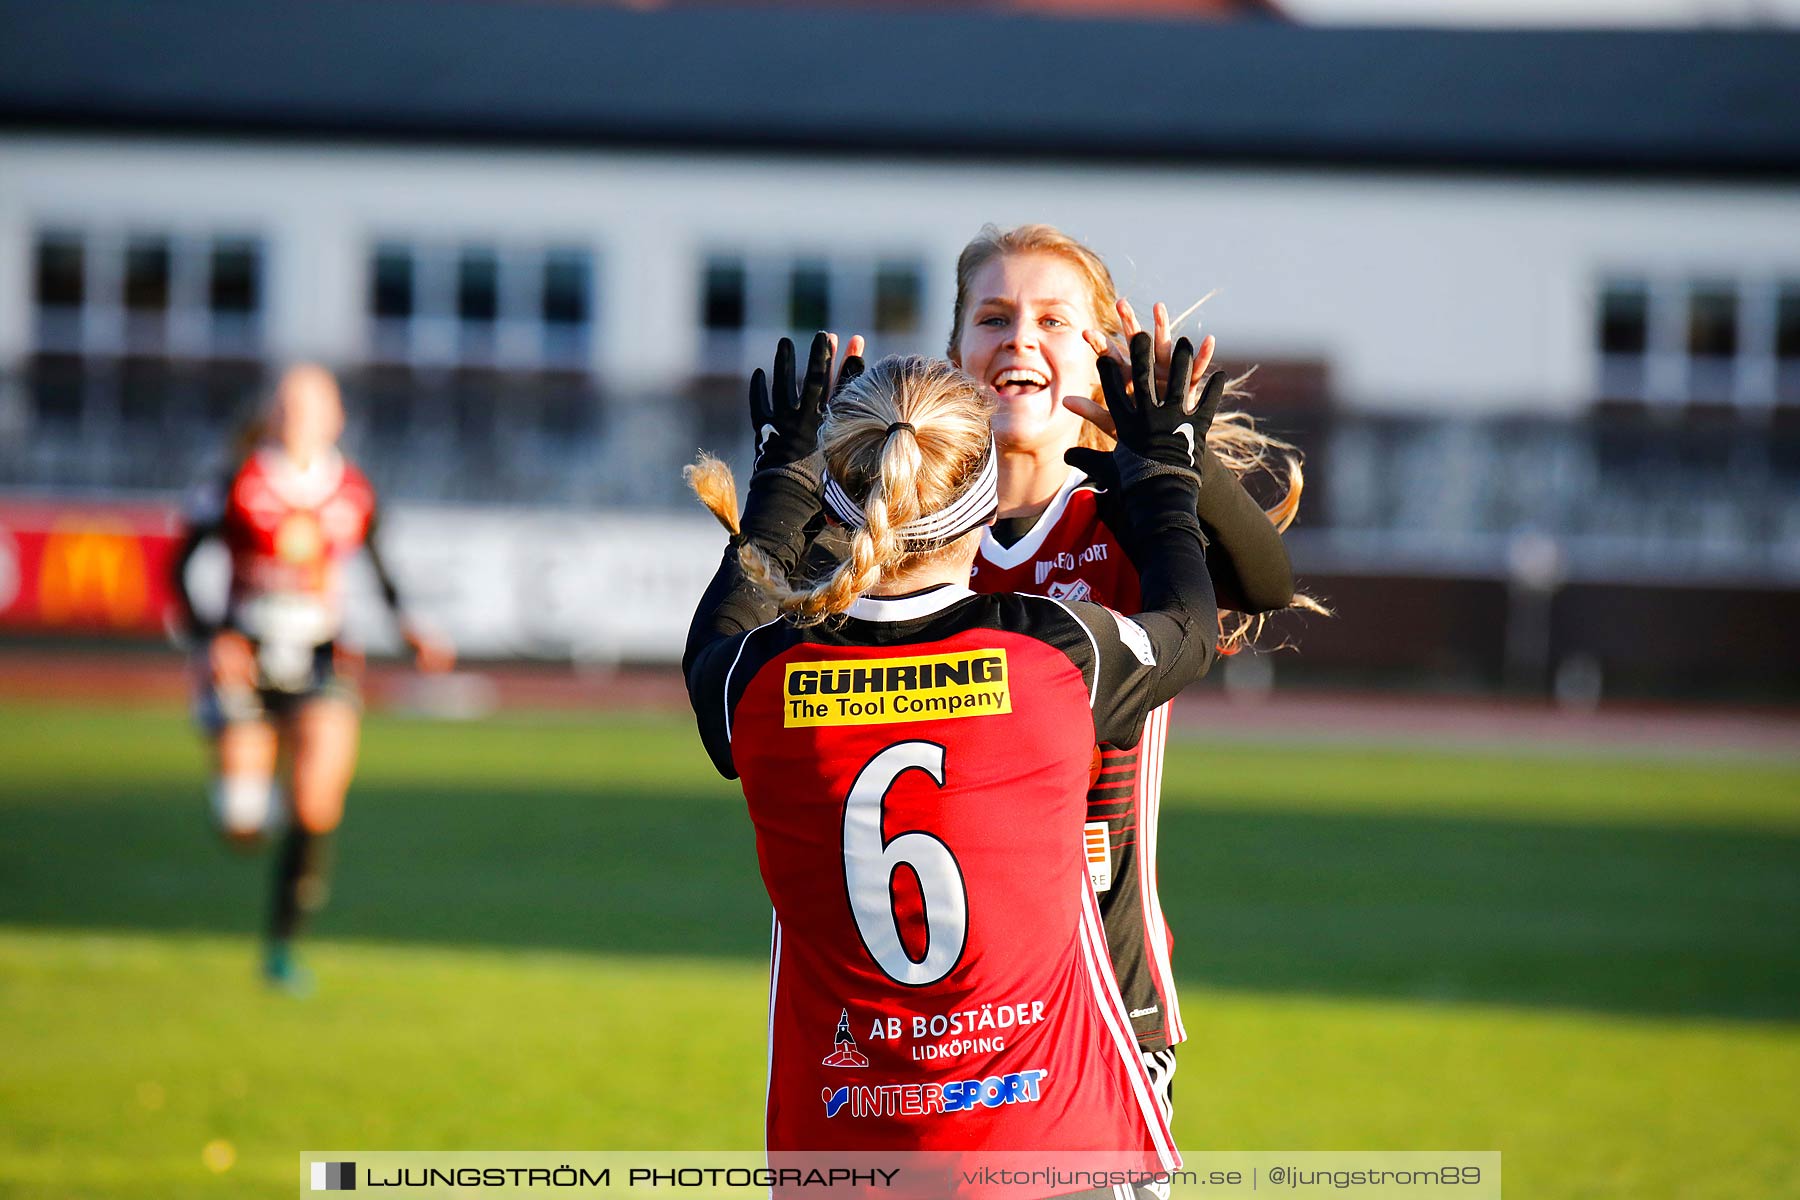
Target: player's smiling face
1021 340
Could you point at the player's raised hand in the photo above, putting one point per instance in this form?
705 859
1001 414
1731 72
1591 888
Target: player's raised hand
1157 432
785 411
432 653
1166 425
784 419
1118 348
851 366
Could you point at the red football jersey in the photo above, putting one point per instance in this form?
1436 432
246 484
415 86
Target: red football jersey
289 531
917 780
1071 553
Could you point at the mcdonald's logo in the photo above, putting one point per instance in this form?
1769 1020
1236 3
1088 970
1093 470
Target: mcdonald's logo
93 573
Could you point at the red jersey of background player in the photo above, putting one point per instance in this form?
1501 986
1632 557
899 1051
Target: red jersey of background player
1072 553
917 780
289 531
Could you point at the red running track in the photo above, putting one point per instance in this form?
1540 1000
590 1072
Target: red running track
1291 715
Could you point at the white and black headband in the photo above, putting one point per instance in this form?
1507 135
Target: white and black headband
971 510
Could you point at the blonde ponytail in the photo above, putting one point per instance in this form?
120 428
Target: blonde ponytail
713 483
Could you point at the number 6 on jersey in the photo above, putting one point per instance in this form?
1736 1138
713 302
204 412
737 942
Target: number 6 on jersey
870 863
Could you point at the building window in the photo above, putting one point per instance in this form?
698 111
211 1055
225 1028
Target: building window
234 297
477 304
478 286
564 300
391 280
61 287
722 299
898 289
180 295
809 296
1624 336
147 282
147 275
565 305
234 283
748 301
1712 339
481 305
143 338
60 260
391 301
1787 342
1625 320
1712 321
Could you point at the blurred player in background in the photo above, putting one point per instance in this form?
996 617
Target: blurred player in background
276 684
1033 308
915 758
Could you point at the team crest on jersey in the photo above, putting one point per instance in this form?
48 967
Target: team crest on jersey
1075 589
843 1051
299 539
881 691
933 1099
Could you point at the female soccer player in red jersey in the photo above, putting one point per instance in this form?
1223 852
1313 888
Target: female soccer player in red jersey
291 513
1033 307
915 758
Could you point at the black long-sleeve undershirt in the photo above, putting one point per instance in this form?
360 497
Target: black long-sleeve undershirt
782 516
1180 607
187 619
1251 572
384 578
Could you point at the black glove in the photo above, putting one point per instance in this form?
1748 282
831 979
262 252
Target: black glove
1098 465
786 423
784 486
1158 435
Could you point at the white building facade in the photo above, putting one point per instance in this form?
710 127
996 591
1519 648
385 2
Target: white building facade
1464 294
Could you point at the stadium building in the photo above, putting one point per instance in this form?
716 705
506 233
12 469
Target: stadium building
1530 301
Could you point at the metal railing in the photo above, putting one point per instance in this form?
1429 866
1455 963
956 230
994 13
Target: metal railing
1615 493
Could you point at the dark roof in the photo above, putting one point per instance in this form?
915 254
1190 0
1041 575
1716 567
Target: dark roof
984 84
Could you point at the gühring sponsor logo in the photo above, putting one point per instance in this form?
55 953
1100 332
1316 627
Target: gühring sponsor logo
881 691
933 1099
334 1177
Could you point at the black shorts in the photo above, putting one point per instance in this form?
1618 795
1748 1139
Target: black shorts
215 707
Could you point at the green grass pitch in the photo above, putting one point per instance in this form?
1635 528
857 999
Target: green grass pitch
549 934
